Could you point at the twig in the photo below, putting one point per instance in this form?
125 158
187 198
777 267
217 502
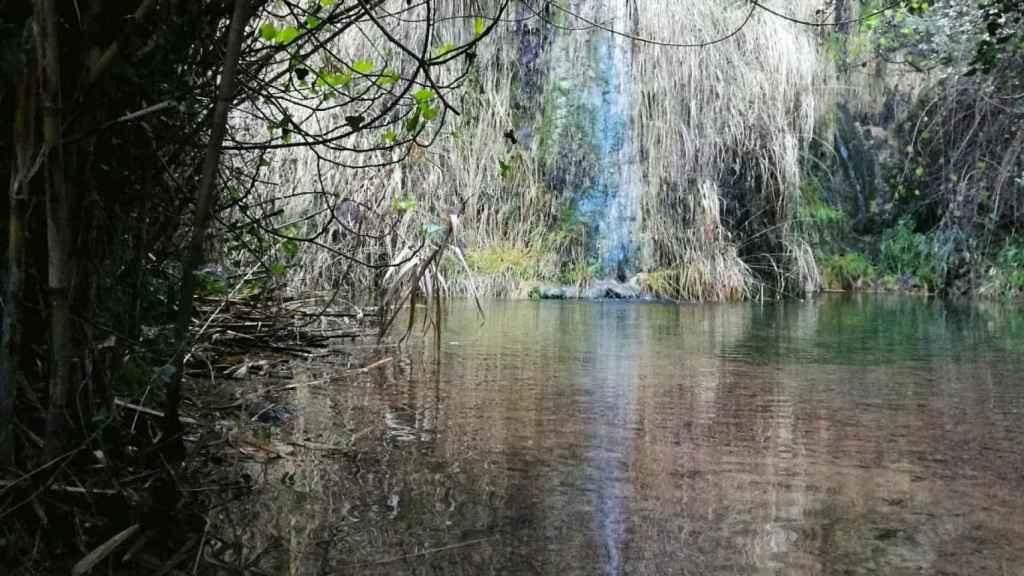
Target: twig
150 411
316 446
420 554
103 550
377 364
70 489
178 557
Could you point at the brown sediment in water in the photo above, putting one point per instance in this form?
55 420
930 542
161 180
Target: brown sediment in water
855 435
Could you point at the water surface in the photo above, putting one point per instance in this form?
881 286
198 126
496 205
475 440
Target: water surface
864 435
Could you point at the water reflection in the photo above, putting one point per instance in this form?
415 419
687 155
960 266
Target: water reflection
848 436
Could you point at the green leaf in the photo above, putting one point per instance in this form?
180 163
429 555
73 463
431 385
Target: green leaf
389 78
287 35
290 247
268 31
364 67
448 47
413 122
334 79
428 112
423 95
312 21
277 269
479 25
504 169
390 137
327 3
355 121
403 205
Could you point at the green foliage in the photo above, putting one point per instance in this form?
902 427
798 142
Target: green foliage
1005 278
1003 22
388 78
904 252
444 49
849 271
404 204
581 272
1011 260
211 285
268 31
364 67
524 264
822 225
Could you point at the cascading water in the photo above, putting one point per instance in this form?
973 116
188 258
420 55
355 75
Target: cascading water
612 205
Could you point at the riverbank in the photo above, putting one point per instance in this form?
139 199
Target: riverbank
119 501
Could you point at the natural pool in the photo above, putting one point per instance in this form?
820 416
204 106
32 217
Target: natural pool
849 435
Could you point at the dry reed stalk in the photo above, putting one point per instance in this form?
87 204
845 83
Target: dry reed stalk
710 129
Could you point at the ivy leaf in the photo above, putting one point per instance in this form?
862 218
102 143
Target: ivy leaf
268 31
389 78
448 47
428 112
423 95
312 21
413 122
287 35
364 67
334 79
479 26
390 137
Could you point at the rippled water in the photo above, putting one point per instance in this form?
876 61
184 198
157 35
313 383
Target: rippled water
848 436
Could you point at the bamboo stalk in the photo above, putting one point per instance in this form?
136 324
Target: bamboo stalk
204 202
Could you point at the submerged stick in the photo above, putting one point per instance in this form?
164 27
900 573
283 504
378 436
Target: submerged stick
103 550
151 412
420 554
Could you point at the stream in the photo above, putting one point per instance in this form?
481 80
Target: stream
848 435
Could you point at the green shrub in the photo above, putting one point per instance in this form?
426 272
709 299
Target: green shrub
1006 276
906 253
493 260
849 271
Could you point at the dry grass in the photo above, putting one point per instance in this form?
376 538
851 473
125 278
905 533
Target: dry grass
706 131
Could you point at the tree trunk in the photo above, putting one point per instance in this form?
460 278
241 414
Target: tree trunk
24 147
204 202
57 223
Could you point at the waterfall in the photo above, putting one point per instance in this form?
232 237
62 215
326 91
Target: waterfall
612 205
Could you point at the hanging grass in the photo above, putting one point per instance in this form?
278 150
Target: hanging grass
709 141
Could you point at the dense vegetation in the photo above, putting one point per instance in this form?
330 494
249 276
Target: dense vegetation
135 137
921 186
